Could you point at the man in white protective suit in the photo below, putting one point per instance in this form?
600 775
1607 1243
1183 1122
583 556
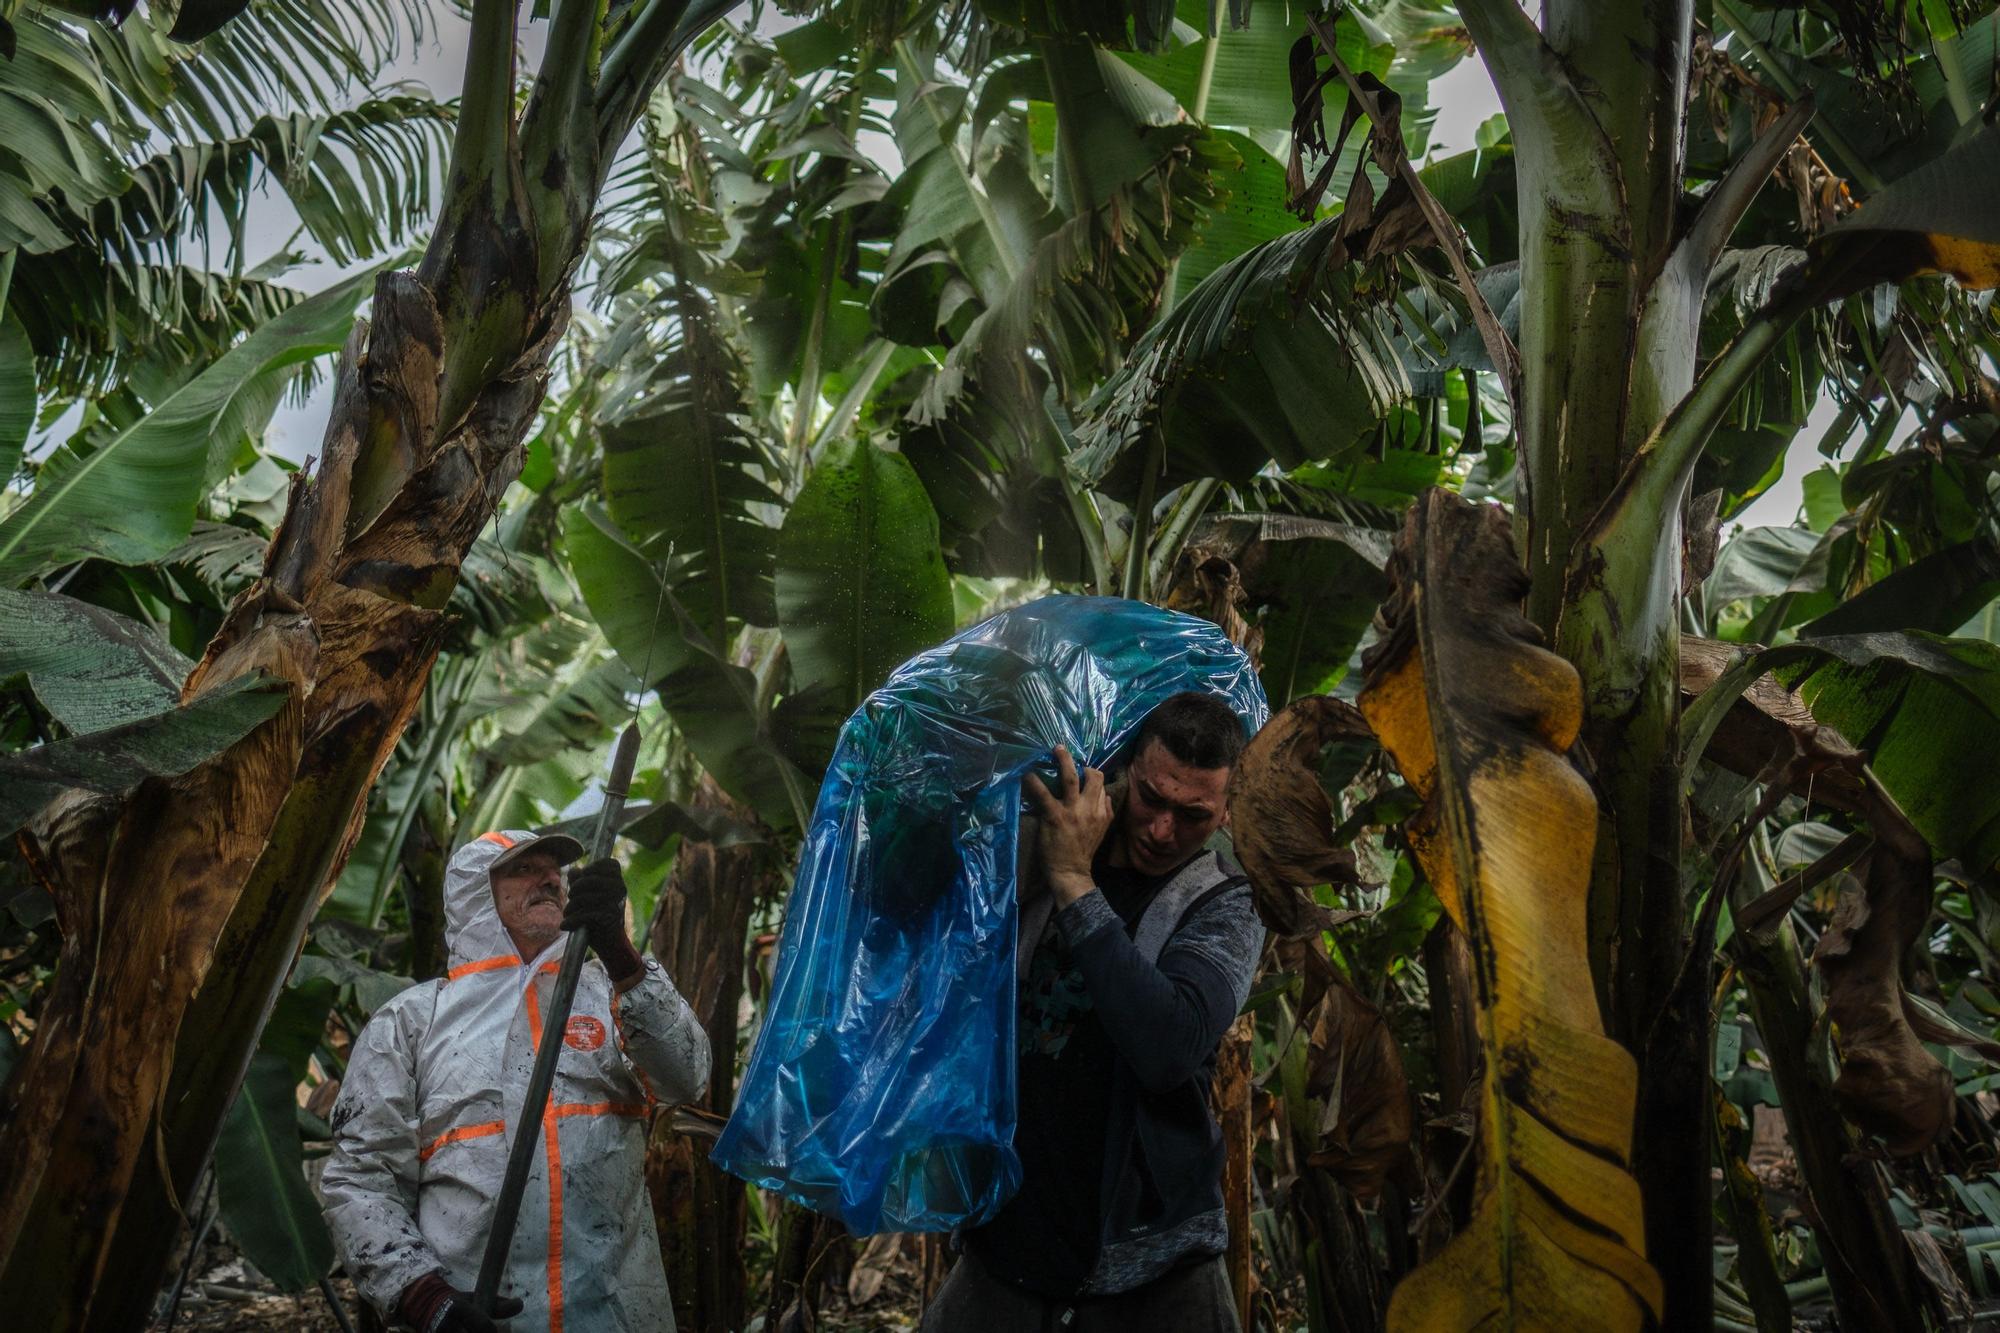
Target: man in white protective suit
435 1086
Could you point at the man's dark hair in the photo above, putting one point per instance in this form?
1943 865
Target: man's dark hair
1197 729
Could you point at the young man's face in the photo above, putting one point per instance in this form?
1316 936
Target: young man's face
529 895
1170 809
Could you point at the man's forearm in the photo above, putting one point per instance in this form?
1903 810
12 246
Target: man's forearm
1070 887
662 1038
1164 1019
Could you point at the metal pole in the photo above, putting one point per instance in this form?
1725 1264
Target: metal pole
507 1209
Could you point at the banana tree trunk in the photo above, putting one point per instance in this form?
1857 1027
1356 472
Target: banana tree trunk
1867 1263
423 858
247 840
804 1239
699 933
182 905
1612 300
1234 1090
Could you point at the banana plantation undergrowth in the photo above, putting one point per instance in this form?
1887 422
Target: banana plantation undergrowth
1628 849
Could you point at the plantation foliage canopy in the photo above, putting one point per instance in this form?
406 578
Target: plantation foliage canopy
727 357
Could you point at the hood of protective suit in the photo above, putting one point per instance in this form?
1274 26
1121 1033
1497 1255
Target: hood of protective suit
472 929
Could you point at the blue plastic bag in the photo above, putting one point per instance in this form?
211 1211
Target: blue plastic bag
881 1087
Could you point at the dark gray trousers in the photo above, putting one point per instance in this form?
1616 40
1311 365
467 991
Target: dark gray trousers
1194 1299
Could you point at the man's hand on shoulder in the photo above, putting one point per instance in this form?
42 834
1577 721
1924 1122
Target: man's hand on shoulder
597 908
433 1305
1074 821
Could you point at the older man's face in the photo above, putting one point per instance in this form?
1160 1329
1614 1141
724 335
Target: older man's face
529 894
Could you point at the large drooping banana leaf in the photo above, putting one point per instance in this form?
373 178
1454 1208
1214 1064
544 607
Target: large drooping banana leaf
1238 81
95 325
1294 351
1074 275
163 744
1247 74
1274 357
1306 589
1763 562
1925 709
91 668
125 260
260 1178
1937 593
578 715
1037 262
1249 210
79 94
685 469
1319 583
48 81
359 178
132 497
861 580
1479 718
713 701
944 207
228 78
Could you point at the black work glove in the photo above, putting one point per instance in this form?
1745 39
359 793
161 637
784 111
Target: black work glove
597 908
433 1305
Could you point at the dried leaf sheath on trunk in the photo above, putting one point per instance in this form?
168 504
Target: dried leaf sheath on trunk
349 611
700 931
1479 718
183 906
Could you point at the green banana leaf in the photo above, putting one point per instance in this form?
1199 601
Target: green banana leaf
1271 358
132 498
1926 710
260 1180
17 394
1320 584
861 579
1249 78
685 470
578 716
713 702
371 989
1937 593
91 668
163 745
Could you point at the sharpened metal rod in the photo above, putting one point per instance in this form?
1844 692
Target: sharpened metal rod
507 1210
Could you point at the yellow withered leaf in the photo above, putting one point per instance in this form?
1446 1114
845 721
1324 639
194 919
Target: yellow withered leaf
1478 716
1938 218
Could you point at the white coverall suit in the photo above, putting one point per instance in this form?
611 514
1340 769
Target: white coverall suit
426 1115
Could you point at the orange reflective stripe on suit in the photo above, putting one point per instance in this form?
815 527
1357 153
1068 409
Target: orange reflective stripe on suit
483 965
460 1134
552 1147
